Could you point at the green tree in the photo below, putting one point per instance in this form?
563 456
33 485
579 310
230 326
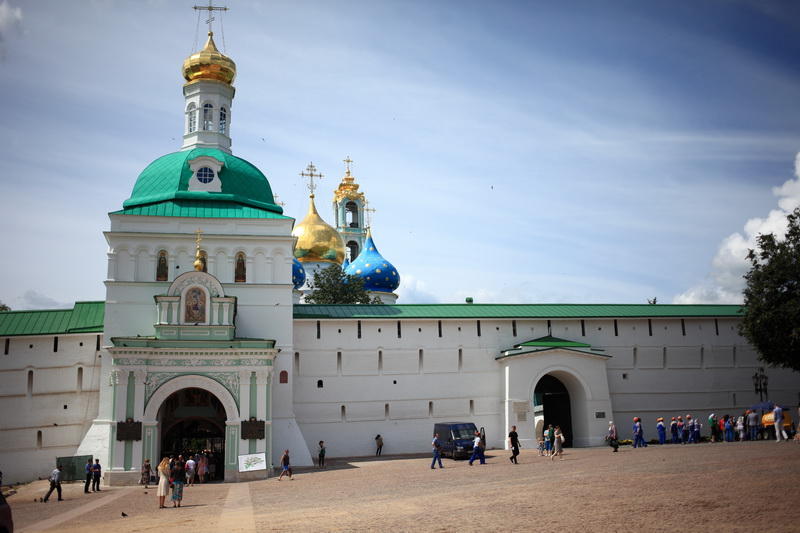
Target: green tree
332 286
772 297
4 307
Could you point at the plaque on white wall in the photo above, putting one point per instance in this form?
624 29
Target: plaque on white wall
521 407
252 461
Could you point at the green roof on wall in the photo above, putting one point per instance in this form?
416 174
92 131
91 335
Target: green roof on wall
84 317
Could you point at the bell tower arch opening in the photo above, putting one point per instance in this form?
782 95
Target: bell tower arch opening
552 397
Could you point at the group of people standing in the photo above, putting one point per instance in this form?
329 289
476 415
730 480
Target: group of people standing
552 443
682 430
93 474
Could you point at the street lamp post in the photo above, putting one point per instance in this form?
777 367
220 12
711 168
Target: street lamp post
760 381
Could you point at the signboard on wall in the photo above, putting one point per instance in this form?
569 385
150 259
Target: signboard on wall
252 461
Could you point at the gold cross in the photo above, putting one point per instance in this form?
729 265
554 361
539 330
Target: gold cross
367 212
198 231
347 162
210 8
311 174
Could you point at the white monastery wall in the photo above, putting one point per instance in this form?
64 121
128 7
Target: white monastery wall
48 400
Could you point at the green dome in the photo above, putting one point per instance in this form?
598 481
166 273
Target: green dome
166 180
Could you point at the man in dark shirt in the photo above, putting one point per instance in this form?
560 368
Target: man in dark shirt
513 443
96 473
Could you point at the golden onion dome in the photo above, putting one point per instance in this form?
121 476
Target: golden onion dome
209 64
317 241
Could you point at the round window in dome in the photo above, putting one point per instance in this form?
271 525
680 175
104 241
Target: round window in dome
205 174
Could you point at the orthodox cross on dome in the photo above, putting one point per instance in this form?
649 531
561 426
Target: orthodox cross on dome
347 162
276 202
367 213
311 173
210 8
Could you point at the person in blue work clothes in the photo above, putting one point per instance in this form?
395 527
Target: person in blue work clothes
673 429
688 427
96 473
638 433
436 455
88 476
662 431
477 450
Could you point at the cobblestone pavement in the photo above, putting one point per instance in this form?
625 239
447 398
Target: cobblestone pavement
723 485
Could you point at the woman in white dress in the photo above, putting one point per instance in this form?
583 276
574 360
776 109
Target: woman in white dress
163 481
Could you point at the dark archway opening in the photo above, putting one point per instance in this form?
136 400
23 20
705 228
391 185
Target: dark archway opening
552 395
193 422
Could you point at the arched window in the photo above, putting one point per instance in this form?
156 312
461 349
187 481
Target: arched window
352 248
351 214
162 270
192 120
241 269
284 377
208 117
223 120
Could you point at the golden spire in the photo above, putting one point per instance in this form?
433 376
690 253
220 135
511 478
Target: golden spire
198 261
348 188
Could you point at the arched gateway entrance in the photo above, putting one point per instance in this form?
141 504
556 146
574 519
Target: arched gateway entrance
564 383
192 421
192 413
553 397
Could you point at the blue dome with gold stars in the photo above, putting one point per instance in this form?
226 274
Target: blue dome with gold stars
379 275
298 273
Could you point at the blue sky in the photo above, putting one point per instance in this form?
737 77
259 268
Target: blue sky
576 151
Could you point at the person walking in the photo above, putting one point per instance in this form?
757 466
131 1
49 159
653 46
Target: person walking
178 478
513 444
88 476
163 481
477 450
558 448
55 484
147 471
612 437
777 417
321 454
191 470
286 466
97 471
379 444
436 449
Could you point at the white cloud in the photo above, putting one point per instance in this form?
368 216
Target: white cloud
414 291
730 264
34 300
10 20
